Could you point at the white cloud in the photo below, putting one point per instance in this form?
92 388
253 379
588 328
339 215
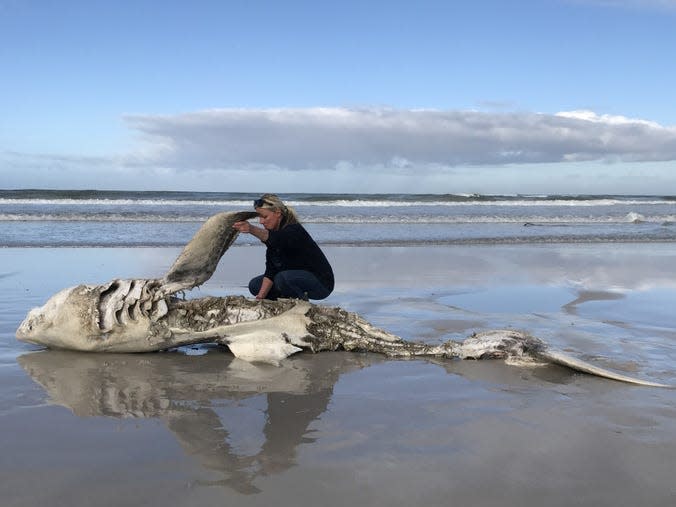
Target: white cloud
582 114
327 138
372 150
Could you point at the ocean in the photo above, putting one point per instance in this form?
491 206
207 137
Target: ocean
94 218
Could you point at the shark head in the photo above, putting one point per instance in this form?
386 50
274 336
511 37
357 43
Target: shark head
65 319
117 316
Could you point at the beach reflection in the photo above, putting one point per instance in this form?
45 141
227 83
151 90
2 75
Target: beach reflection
206 401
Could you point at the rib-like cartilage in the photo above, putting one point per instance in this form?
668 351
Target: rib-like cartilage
111 302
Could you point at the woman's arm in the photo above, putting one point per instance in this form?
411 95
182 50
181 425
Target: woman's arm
266 285
259 232
263 235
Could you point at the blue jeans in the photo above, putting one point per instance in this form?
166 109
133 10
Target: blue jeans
293 283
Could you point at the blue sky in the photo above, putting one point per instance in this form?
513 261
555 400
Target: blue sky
553 96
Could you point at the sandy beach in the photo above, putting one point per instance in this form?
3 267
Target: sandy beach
198 427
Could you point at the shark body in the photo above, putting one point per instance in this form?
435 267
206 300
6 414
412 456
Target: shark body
143 315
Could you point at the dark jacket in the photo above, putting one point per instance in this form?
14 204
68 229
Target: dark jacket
291 247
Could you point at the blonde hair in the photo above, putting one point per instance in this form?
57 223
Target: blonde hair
274 203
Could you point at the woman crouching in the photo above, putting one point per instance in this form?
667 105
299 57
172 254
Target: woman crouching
295 266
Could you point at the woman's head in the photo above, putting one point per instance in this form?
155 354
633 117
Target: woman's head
273 213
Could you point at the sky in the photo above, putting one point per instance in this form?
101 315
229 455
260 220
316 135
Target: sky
480 96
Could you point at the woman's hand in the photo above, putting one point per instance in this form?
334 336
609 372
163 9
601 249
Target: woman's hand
242 226
259 232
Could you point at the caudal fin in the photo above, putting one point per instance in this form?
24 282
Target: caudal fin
557 357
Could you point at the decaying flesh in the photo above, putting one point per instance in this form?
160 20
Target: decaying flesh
143 315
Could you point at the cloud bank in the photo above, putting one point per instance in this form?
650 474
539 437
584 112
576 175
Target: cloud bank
370 150
329 138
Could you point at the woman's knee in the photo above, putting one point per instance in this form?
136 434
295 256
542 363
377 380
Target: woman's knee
284 284
300 284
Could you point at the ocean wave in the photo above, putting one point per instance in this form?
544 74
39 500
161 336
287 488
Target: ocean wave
123 202
323 201
98 217
387 203
632 217
637 218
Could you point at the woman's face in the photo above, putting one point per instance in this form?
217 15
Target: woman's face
270 219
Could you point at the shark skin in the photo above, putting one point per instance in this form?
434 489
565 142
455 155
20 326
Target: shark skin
144 315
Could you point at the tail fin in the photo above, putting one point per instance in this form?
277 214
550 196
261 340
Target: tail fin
557 357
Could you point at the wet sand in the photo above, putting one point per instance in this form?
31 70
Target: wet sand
198 427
